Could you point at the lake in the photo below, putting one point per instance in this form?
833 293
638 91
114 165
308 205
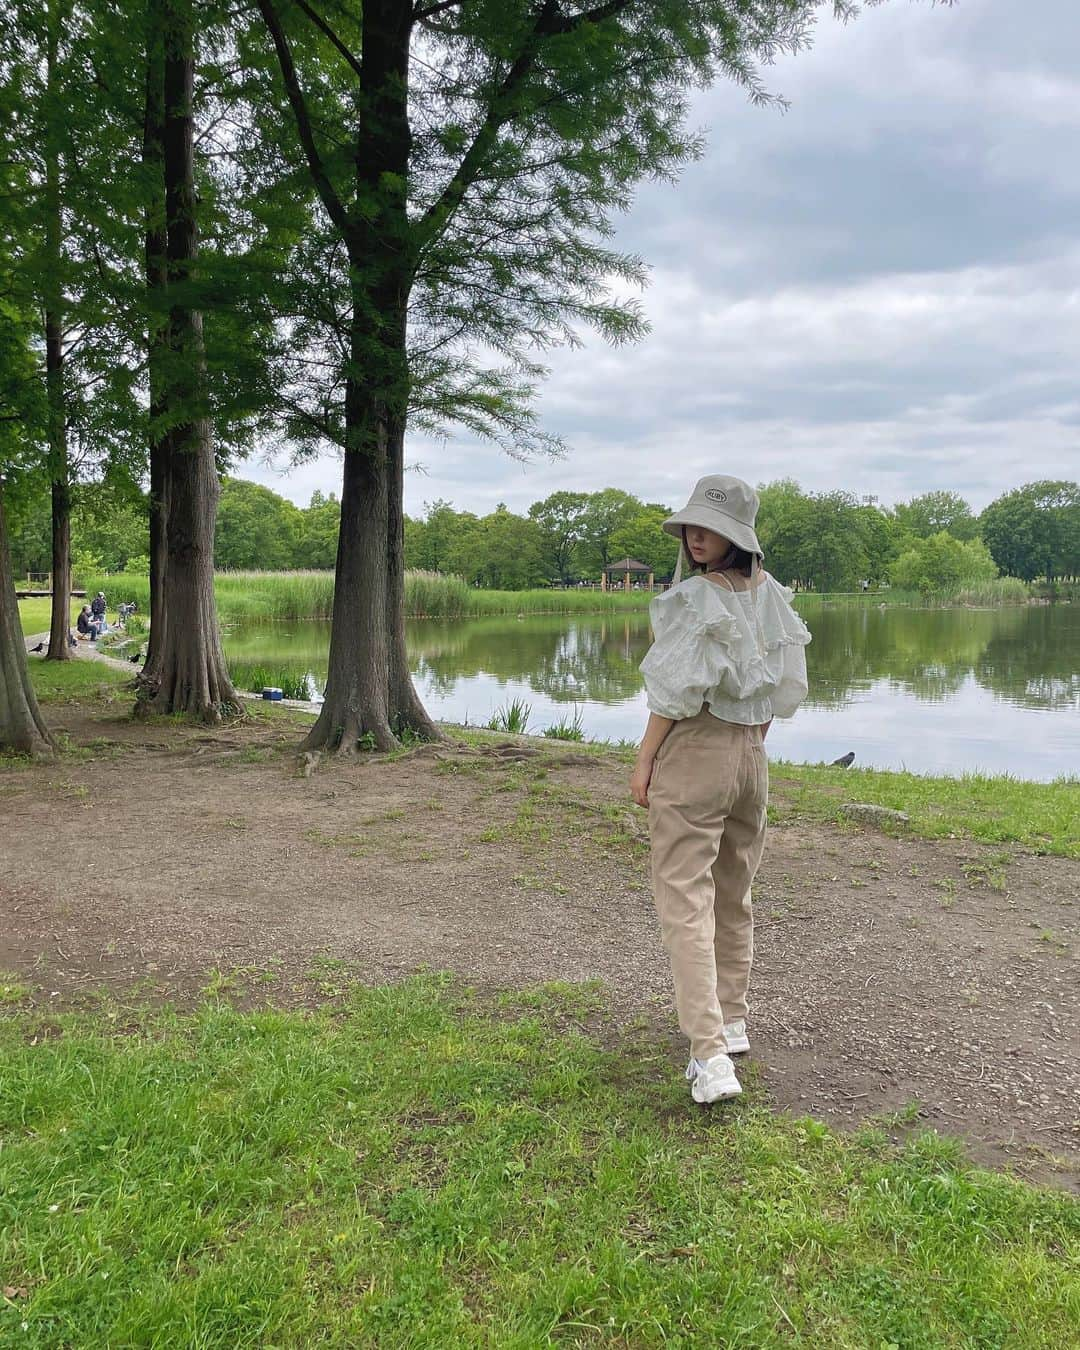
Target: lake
930 690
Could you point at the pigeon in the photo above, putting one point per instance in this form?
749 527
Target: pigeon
39 648
845 761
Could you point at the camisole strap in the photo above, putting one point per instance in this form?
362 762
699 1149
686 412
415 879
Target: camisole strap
720 577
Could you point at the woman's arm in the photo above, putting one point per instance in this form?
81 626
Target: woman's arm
655 734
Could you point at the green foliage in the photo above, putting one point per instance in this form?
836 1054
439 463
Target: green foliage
606 513
509 552
643 539
817 540
560 518
934 513
319 525
942 563
1035 530
255 528
298 1183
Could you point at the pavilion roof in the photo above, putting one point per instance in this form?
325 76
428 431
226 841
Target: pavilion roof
627 565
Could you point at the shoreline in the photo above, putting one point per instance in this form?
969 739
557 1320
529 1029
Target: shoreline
997 809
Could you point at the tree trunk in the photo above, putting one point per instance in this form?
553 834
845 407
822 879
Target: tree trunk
60 618
407 713
59 466
156 266
22 727
159 522
355 713
189 674
369 691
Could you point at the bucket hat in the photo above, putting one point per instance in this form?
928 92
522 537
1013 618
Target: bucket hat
728 506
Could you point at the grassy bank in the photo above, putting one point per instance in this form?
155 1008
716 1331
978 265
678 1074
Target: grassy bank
292 596
75 681
994 809
405 1167
997 808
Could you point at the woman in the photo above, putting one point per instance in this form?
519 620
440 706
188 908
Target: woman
727 658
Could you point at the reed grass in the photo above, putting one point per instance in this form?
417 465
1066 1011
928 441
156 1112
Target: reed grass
1000 591
566 729
256 678
244 597
513 718
291 596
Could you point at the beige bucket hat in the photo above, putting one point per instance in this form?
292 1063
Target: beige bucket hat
725 505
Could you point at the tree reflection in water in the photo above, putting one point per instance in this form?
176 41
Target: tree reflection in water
1028 656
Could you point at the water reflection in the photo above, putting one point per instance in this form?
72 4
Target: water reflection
869 660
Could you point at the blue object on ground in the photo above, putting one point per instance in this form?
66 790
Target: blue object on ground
271 693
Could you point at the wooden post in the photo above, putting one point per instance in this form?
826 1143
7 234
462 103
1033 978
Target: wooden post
603 581
626 581
652 581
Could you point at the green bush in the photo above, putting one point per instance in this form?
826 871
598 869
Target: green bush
942 564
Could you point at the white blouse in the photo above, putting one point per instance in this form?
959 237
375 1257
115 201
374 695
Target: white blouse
741 652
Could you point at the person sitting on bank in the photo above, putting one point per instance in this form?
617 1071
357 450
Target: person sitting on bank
86 625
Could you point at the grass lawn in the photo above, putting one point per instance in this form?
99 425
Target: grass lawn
1044 817
409 1167
36 615
74 681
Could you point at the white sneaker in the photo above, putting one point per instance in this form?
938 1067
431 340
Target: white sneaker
712 1080
738 1042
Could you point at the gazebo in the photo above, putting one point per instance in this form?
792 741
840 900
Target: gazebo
625 568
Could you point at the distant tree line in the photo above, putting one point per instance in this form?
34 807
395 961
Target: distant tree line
821 541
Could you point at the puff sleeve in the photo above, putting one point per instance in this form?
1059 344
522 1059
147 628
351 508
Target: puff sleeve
691 654
786 647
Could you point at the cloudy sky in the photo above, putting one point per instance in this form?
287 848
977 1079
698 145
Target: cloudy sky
876 290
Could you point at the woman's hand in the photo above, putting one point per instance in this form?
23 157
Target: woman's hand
640 779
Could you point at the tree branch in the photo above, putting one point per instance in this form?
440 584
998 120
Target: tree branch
429 11
335 207
567 23
324 28
549 22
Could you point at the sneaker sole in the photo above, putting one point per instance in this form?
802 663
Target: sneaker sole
725 1096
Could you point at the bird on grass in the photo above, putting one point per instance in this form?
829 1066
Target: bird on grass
135 659
845 761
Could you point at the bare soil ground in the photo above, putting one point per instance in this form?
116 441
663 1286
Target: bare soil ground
912 983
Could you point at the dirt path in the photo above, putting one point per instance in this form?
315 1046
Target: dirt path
915 983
